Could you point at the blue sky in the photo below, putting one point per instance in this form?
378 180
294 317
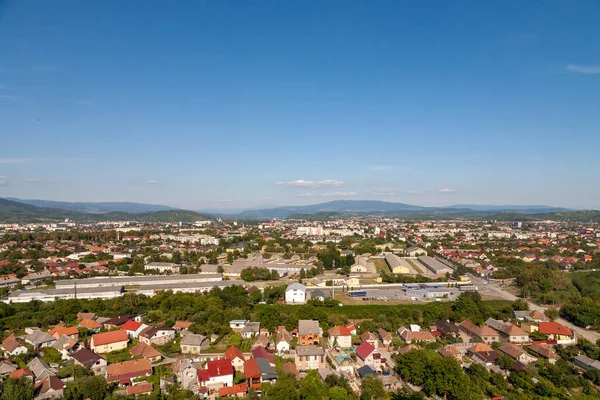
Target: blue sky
239 104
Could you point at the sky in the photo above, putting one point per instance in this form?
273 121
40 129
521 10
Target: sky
243 104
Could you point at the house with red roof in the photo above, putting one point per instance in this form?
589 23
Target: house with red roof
483 354
13 348
252 373
124 372
133 328
234 391
352 328
218 373
109 341
369 355
71 332
90 324
340 336
261 352
141 388
485 333
556 331
236 357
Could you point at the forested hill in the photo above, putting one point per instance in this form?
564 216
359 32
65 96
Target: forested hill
15 212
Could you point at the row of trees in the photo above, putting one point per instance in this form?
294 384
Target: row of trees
444 377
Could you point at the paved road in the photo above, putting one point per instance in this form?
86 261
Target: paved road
592 336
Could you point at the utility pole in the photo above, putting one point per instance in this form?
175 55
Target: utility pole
332 287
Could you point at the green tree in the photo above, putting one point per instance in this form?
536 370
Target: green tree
17 389
551 313
89 387
312 387
51 355
372 389
284 388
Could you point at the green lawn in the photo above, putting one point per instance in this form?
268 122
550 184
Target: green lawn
382 266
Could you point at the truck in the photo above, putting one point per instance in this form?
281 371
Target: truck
358 293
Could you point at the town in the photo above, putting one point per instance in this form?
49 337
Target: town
366 307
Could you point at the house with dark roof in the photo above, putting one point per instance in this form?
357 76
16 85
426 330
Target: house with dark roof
365 371
90 360
49 387
267 371
261 352
157 336
115 322
446 328
483 354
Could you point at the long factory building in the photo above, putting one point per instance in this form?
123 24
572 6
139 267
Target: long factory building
110 292
117 281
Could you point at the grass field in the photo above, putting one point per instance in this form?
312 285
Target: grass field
382 266
416 265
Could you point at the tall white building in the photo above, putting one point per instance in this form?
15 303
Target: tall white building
295 294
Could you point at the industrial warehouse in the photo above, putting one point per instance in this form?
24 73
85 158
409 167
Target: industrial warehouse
148 288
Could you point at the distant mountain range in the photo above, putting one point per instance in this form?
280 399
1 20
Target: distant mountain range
23 211
96 208
385 208
17 212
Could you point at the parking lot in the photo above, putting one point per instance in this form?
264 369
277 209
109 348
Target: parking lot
398 294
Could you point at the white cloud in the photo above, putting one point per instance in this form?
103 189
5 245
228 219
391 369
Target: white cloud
153 182
584 69
381 167
417 192
311 184
2 180
332 194
14 160
447 190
